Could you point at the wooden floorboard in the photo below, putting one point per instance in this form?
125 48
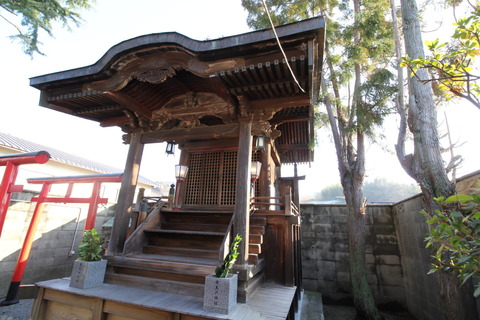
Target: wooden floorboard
270 301
209 262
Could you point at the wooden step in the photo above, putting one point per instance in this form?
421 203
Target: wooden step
179 287
247 288
181 232
189 226
258 221
252 258
257 268
161 263
184 210
181 251
197 217
256 238
255 248
184 277
185 239
257 230
188 260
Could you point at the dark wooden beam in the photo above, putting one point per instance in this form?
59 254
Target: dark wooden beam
97 109
281 103
116 121
198 133
284 147
211 145
126 195
279 119
129 103
241 218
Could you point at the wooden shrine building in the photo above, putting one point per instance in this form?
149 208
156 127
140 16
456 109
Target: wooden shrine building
214 99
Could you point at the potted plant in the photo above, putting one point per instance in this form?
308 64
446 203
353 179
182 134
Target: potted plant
89 268
221 288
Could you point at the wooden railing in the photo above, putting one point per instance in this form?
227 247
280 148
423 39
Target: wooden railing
274 205
283 248
225 243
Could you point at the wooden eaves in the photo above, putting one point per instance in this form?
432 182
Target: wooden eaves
173 88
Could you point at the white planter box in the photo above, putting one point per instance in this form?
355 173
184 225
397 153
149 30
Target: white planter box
220 294
88 274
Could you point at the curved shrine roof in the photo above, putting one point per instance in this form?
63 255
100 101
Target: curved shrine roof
173 88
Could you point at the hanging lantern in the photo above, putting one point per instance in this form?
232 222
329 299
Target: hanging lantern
255 168
170 148
181 172
260 143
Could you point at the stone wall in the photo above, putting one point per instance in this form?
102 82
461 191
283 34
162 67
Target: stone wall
57 234
421 288
397 260
325 253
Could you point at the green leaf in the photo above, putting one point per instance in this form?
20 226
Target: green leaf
464 259
476 198
466 277
456 214
432 271
458 198
477 291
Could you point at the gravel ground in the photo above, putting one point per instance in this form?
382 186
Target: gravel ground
19 311
23 309
336 312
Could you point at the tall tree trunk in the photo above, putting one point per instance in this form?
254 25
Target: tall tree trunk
351 177
352 183
425 165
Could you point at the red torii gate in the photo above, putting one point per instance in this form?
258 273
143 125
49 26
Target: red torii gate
11 162
94 200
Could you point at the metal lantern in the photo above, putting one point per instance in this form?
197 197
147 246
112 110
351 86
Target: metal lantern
170 148
255 168
260 143
181 172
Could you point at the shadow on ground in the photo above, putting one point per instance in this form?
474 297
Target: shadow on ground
339 312
19 311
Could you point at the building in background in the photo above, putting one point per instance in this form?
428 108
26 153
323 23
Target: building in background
61 225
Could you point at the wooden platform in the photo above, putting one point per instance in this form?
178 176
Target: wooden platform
57 300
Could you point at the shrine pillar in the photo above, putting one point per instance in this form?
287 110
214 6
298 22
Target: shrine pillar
241 222
126 196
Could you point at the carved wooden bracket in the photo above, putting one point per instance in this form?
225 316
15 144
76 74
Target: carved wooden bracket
154 76
157 67
129 103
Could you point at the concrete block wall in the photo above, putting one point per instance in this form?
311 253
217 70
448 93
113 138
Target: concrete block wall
325 253
397 260
57 233
422 290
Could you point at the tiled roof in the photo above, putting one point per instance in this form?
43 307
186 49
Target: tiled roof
21 145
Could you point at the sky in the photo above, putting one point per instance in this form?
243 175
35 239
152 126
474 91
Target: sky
113 21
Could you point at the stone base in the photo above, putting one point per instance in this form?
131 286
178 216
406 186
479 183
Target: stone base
89 274
220 294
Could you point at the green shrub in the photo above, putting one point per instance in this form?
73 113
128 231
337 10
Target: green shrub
224 269
91 246
454 236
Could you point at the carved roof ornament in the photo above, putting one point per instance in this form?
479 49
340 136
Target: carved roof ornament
146 85
261 127
154 76
191 100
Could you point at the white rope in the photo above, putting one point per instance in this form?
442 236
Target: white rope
280 45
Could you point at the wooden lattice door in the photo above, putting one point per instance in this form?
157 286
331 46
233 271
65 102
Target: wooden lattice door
211 179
